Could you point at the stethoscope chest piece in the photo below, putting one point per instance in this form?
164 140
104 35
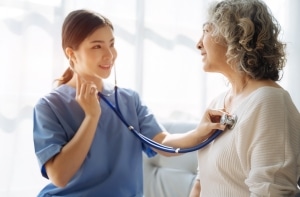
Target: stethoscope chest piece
229 120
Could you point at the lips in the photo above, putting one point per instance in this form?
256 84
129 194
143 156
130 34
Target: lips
107 66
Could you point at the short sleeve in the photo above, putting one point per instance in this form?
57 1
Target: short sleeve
48 134
148 124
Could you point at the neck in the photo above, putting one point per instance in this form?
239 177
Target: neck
239 86
236 93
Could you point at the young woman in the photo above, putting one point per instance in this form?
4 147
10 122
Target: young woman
81 144
260 155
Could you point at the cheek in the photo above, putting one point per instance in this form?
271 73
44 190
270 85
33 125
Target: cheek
81 55
215 57
216 50
115 54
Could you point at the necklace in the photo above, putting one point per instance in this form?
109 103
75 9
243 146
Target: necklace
227 103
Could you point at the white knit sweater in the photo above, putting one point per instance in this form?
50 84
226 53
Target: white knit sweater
260 156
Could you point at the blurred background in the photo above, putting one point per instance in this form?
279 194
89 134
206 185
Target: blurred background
157 56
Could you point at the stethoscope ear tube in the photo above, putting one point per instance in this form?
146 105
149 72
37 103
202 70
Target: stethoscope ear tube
150 142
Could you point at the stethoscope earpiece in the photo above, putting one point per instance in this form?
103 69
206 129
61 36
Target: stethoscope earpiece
229 120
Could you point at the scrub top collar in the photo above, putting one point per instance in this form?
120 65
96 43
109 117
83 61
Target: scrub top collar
108 89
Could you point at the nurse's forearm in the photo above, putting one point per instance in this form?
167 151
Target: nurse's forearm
192 138
62 167
184 140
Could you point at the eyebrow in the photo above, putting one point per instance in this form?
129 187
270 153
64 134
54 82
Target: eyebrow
101 41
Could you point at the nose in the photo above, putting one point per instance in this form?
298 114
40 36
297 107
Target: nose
108 54
199 44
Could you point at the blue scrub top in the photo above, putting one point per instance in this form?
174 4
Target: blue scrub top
113 166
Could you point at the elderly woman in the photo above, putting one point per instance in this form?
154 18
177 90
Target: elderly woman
260 155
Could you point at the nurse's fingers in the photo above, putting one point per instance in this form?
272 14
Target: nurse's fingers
84 89
90 89
215 114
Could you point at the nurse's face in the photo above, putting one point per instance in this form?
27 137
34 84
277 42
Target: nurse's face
213 53
96 55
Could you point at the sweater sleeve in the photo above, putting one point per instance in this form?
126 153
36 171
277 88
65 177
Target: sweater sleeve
267 142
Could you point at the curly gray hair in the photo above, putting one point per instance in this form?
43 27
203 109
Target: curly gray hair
251 33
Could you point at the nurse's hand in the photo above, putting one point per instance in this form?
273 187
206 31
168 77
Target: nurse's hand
211 122
87 97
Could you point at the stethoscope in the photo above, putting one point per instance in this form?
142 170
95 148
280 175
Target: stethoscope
226 119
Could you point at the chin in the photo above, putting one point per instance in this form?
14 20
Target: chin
105 76
207 68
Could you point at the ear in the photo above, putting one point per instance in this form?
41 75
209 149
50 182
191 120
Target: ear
71 57
69 52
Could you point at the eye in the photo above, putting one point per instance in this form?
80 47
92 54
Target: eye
96 47
206 29
112 44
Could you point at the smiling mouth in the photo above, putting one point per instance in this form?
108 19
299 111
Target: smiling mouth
107 66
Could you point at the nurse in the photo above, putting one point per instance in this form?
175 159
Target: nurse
81 145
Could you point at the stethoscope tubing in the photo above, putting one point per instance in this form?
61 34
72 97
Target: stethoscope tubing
150 142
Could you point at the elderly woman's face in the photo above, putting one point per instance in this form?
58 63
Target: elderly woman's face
213 52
